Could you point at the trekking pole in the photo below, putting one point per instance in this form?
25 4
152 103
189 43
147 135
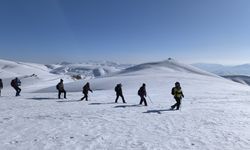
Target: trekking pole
180 105
89 97
150 99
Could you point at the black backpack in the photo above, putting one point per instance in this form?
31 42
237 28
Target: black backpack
57 86
1 84
12 82
116 88
18 82
139 92
172 92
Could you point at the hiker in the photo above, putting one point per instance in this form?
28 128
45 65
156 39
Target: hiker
142 93
16 83
1 86
85 91
118 90
60 88
178 95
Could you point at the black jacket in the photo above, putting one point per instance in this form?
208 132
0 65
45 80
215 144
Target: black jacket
1 84
118 90
86 89
60 86
142 91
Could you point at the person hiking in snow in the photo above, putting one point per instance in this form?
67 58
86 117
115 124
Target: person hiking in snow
118 90
178 95
85 91
60 88
143 93
1 86
16 83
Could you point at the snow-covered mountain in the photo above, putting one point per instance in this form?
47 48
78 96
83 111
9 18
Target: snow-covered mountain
86 70
10 69
32 75
214 113
157 75
35 76
225 70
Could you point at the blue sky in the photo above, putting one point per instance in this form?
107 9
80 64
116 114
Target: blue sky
47 31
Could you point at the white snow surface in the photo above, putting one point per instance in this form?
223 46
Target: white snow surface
214 115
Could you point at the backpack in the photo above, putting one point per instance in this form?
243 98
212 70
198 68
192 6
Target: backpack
18 82
139 92
85 89
116 88
12 82
57 86
173 91
1 84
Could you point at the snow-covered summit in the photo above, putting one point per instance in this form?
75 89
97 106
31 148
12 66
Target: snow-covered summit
166 66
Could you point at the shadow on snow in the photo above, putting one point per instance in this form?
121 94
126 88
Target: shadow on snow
42 98
158 111
102 103
68 101
124 106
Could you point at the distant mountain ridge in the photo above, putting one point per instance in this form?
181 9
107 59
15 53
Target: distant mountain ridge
223 70
86 70
239 78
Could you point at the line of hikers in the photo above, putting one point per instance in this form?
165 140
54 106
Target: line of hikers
176 92
15 83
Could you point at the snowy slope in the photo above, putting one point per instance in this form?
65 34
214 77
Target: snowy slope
214 113
33 76
18 69
37 76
